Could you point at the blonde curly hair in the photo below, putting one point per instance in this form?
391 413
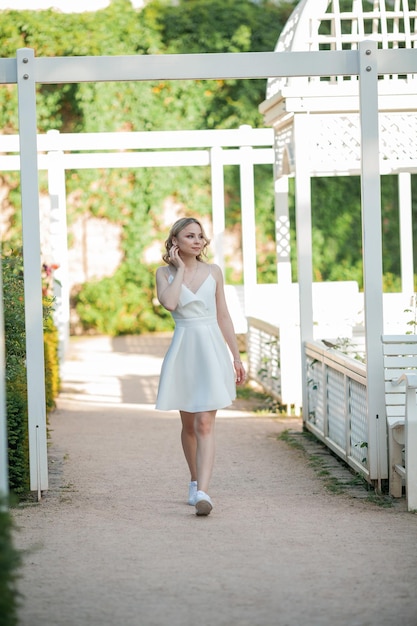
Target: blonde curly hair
176 228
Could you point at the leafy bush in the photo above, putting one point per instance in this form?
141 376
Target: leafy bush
50 345
10 561
16 383
121 304
16 386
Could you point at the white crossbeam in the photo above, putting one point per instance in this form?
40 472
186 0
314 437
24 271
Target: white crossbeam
246 65
148 140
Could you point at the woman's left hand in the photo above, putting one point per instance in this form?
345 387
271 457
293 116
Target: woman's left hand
240 372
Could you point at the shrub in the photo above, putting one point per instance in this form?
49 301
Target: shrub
121 304
16 383
10 561
16 386
50 344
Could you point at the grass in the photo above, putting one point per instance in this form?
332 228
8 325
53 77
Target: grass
249 393
332 484
260 401
291 440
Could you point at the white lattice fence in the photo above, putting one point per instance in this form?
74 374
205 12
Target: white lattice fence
337 412
335 139
264 359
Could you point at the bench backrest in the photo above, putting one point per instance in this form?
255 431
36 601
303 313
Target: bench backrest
400 357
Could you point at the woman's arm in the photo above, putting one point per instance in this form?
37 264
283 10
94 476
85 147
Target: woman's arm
167 293
226 325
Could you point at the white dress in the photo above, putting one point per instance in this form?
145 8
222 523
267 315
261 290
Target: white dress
197 372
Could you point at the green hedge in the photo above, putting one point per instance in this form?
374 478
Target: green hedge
50 344
10 562
122 304
16 387
16 384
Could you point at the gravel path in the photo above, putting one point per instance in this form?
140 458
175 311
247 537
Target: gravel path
113 543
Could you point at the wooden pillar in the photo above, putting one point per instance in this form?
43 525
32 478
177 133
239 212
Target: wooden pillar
217 200
59 244
247 196
372 259
406 233
304 242
35 364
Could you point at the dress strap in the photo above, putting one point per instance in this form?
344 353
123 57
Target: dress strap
170 275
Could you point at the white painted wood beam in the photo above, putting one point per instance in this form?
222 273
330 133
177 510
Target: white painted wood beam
372 260
35 364
226 65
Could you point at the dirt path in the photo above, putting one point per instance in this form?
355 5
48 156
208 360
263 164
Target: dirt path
115 544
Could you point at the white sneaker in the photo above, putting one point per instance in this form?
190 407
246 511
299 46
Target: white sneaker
203 503
192 492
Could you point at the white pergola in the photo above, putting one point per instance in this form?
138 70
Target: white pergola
58 152
366 63
317 132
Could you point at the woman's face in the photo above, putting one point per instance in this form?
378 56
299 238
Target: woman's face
190 239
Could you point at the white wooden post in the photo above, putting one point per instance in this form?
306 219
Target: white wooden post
406 233
217 202
4 464
247 197
291 368
59 244
411 442
304 242
372 259
35 363
282 231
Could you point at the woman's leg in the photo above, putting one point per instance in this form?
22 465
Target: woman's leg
204 432
189 442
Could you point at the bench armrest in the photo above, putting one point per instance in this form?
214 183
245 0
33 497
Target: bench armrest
409 379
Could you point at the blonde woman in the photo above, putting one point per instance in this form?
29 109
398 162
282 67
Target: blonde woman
197 375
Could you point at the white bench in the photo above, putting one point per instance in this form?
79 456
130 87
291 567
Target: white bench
400 364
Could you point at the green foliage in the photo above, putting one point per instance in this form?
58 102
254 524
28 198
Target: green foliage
337 230
16 387
52 380
16 383
412 322
10 562
215 26
50 339
135 199
122 304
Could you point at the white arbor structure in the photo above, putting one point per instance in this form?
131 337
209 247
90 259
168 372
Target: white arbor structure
364 64
317 123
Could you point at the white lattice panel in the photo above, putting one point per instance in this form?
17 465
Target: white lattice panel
336 407
358 421
284 150
322 25
398 132
335 141
264 358
315 413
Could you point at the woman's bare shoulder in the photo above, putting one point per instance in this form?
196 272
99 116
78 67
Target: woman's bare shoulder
163 271
215 270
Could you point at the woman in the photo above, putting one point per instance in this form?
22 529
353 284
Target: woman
197 375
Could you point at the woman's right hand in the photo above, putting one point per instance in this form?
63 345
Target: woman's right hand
174 255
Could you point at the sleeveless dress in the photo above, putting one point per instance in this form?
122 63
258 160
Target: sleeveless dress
197 373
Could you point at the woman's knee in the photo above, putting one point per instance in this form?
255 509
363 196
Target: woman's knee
187 420
204 424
